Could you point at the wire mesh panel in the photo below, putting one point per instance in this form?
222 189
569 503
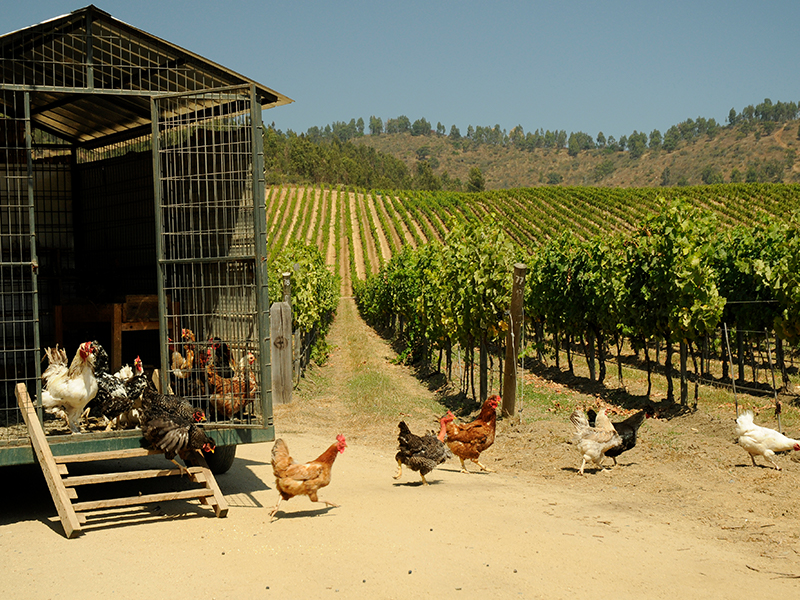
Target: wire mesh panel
18 264
209 253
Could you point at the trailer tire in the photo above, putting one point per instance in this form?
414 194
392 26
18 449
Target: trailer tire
221 459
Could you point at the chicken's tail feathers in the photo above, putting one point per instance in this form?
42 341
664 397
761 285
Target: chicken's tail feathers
280 455
404 430
745 419
578 418
637 419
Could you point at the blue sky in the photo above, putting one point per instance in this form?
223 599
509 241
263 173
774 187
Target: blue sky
610 66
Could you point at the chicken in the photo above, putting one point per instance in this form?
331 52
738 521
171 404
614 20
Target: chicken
115 394
187 372
177 436
155 404
292 479
127 412
170 424
230 394
626 429
219 353
762 441
424 453
468 440
67 390
593 442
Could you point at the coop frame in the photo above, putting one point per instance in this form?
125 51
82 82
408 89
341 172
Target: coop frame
86 89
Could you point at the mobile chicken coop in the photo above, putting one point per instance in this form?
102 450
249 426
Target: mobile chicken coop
131 211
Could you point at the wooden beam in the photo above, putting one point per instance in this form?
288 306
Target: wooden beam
144 499
66 512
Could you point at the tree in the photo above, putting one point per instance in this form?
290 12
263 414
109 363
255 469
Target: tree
554 178
710 175
455 134
401 124
421 127
360 126
439 128
637 144
475 183
655 139
375 125
601 140
425 179
671 139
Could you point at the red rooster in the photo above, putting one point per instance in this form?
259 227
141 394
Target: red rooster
292 479
230 394
468 440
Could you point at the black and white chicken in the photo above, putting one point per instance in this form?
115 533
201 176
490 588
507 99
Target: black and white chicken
627 430
421 453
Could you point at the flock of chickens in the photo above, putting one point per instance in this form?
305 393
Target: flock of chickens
596 437
171 424
128 398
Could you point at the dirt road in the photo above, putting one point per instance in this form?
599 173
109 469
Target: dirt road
463 535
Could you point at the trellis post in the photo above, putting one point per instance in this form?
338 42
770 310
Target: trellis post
512 341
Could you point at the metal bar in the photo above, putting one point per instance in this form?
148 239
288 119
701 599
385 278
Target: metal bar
72 89
261 271
774 388
207 260
730 367
34 262
162 299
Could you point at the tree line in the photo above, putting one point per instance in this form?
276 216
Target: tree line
760 119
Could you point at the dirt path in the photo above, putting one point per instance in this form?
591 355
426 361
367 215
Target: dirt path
533 529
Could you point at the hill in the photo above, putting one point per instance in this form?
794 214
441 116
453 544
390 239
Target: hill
734 154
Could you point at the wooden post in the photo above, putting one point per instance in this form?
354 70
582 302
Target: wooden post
287 287
512 341
280 332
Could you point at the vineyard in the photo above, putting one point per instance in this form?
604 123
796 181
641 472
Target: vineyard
607 266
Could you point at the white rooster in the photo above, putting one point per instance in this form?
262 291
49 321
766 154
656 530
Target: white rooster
593 442
762 441
67 390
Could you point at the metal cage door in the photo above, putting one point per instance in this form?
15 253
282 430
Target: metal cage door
20 353
211 250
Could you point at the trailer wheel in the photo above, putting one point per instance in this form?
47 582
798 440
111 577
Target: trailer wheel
221 459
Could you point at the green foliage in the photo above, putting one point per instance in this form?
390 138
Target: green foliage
670 286
315 290
475 182
604 169
709 175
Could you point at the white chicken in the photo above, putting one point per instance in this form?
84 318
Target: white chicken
67 390
593 442
762 441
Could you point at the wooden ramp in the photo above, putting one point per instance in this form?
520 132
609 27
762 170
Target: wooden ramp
73 514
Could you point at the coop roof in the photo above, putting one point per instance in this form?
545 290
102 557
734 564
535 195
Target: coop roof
93 76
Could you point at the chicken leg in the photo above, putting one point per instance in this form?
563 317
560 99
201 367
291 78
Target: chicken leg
477 462
399 470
